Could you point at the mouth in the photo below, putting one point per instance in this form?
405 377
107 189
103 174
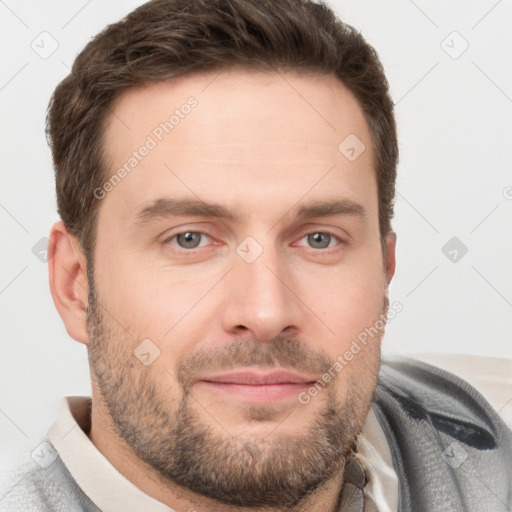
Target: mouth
258 386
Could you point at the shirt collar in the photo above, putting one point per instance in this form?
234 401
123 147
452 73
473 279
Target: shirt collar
95 475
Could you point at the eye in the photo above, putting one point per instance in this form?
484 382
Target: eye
321 239
188 239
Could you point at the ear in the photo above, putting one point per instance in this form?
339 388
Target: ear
390 262
68 281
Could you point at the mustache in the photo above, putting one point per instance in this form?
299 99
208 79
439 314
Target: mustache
290 353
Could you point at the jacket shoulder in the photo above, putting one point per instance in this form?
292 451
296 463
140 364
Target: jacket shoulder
40 481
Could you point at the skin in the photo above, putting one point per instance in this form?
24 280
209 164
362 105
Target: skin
261 145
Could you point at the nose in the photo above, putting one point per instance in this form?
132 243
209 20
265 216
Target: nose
261 301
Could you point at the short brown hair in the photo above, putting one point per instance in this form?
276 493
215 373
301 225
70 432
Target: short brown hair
165 38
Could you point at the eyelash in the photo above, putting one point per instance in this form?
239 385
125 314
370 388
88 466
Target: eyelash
328 249
168 240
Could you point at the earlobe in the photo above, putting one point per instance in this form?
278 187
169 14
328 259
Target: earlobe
390 256
68 281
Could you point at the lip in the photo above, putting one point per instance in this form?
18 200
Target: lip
259 378
258 386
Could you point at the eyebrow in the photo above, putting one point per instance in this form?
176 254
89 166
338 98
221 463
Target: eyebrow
168 207
338 207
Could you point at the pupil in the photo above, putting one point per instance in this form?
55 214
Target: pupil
319 240
188 240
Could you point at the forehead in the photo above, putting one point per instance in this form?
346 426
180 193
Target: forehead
237 135
265 102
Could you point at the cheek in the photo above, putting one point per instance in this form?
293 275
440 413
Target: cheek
164 306
349 302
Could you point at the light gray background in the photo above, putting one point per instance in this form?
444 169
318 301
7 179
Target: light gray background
455 180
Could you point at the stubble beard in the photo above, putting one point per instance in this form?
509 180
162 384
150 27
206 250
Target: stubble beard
175 438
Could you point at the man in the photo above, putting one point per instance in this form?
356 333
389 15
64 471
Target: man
225 177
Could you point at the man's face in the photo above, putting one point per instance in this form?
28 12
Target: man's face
285 279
